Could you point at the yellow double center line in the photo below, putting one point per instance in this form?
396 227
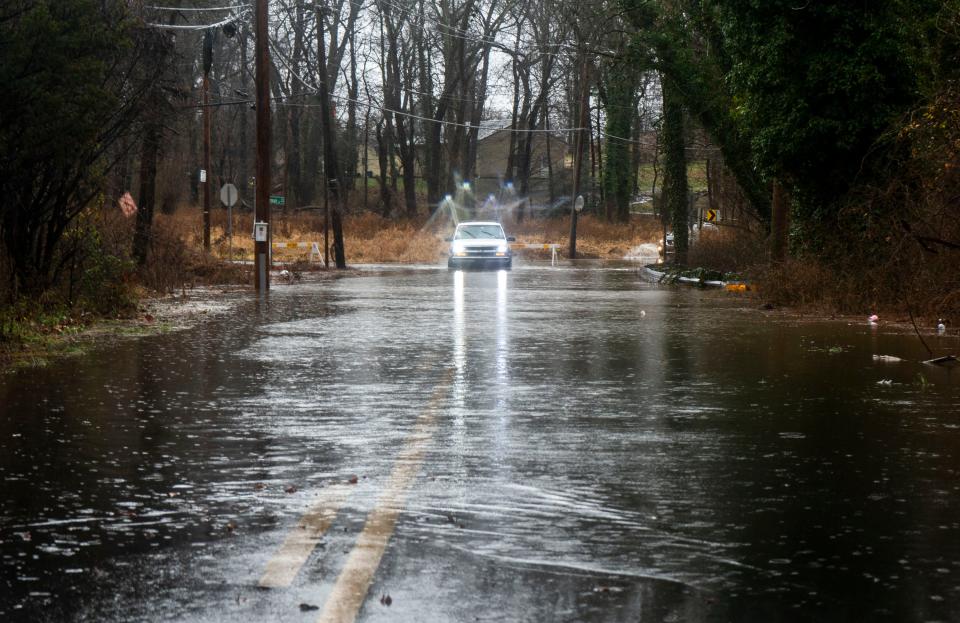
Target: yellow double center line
300 543
354 581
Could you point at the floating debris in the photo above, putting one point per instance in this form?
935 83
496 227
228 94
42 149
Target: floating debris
887 358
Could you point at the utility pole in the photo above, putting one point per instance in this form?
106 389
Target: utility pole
578 155
207 62
261 248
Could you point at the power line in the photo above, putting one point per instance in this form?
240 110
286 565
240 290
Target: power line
196 26
176 8
283 101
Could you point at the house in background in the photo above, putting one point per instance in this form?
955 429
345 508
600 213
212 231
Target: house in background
493 151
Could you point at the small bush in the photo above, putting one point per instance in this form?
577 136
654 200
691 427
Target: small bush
100 279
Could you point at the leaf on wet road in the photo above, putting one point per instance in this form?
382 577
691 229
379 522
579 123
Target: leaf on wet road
607 589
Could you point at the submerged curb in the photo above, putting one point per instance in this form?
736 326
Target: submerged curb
658 276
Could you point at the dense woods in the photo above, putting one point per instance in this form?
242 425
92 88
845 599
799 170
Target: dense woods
829 129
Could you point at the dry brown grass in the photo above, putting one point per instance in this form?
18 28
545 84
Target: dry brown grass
804 285
176 258
370 238
728 249
596 238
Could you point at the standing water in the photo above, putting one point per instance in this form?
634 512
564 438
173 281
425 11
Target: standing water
700 461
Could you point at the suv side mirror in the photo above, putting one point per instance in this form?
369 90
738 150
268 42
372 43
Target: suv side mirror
448 239
511 239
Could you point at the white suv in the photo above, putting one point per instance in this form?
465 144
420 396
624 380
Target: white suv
478 244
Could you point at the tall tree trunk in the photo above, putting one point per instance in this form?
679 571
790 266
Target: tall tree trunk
675 186
397 79
476 116
581 137
293 174
636 150
620 90
510 172
330 164
351 139
148 191
244 166
597 152
551 188
384 128
780 223
383 153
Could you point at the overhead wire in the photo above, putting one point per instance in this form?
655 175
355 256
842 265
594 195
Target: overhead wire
244 9
469 126
197 9
224 22
283 101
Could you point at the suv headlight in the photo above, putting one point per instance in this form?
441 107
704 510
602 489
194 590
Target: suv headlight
457 248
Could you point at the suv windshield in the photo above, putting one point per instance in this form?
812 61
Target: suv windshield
479 231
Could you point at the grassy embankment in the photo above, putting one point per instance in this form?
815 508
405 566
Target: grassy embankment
371 239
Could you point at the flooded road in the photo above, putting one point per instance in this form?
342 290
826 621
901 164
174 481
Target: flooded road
424 445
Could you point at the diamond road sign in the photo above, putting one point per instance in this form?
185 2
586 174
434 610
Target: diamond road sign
277 200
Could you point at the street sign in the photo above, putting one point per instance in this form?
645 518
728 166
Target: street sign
277 200
578 204
229 195
711 216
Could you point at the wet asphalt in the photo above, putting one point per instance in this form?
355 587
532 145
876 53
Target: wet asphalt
545 444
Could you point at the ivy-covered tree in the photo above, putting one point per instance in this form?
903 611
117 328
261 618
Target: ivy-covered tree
675 185
795 92
816 85
685 42
619 88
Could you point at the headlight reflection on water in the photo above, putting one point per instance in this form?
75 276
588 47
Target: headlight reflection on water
459 340
503 339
